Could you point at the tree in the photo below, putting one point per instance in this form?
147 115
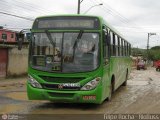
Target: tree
154 53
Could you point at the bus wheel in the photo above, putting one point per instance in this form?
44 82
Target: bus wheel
125 82
110 92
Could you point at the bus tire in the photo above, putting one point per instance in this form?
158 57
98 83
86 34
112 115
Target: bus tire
111 90
110 93
126 78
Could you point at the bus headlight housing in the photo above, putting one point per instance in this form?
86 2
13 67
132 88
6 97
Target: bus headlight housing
91 84
33 82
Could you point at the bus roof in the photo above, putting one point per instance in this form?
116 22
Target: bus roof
102 20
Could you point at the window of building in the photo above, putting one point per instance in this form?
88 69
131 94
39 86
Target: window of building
4 36
12 35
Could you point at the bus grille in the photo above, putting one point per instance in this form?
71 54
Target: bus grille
61 79
58 87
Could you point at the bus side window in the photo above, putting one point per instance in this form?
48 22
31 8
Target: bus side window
114 44
125 48
111 43
122 46
129 49
106 45
119 46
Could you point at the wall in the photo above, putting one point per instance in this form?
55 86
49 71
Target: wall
17 62
3 61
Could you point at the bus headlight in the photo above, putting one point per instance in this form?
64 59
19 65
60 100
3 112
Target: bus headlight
91 84
33 82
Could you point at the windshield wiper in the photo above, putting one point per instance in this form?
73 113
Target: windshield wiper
53 42
50 38
76 41
78 37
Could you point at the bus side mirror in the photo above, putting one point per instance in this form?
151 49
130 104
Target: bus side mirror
106 37
28 37
20 40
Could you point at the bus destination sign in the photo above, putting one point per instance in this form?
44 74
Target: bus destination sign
67 23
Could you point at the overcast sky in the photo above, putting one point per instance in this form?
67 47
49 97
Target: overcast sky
134 19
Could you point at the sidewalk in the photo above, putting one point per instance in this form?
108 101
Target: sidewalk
13 81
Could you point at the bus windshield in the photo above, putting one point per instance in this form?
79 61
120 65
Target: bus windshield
56 52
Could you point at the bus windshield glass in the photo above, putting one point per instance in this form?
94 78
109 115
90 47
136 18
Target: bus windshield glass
57 52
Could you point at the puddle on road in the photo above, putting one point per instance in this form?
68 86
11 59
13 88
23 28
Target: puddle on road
10 108
64 108
17 95
138 82
133 98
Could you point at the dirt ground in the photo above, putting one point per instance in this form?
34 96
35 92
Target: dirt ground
141 95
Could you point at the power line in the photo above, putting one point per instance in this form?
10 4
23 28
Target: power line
17 28
16 16
114 13
36 6
19 6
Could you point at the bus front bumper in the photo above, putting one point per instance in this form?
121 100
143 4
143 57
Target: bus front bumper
92 96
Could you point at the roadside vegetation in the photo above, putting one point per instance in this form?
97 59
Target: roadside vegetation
153 53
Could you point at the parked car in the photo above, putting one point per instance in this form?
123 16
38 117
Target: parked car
141 65
157 65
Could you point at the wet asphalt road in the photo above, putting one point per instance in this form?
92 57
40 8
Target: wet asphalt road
141 95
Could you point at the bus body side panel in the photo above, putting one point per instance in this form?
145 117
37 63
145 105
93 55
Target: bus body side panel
106 81
118 68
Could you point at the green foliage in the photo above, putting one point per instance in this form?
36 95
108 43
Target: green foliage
153 53
155 48
138 52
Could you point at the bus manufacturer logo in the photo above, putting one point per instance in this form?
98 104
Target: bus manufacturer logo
60 86
69 85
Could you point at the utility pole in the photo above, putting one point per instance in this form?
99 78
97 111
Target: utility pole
92 7
149 34
78 11
79 7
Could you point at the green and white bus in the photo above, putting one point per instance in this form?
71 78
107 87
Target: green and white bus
76 59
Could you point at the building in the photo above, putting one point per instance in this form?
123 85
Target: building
8 36
12 61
